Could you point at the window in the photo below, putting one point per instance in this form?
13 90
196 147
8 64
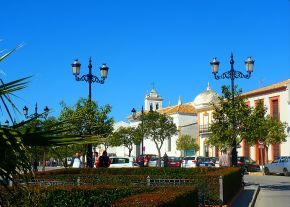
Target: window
169 144
157 106
275 109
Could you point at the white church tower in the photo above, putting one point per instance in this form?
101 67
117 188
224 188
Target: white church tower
153 101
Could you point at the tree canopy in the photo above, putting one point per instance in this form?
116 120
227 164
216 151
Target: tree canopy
88 119
186 142
158 127
250 123
126 136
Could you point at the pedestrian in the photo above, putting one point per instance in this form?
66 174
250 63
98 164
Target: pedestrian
104 160
72 160
96 157
165 160
77 161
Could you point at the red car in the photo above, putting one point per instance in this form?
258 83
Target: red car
143 160
248 165
174 161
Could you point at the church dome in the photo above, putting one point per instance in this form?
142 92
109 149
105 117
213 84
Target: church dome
206 98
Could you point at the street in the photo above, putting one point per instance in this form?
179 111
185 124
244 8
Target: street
274 190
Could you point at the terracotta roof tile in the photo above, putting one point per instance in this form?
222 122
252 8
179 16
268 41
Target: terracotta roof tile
267 88
183 108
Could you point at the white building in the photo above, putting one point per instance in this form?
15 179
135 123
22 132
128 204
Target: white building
194 118
276 98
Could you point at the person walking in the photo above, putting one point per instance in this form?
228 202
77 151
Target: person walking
96 157
165 160
77 161
104 160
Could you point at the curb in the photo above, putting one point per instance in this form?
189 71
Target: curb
254 198
256 173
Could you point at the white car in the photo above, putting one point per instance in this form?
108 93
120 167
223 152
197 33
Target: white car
117 162
281 165
189 161
153 162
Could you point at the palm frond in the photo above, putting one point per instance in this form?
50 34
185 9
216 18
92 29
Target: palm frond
10 52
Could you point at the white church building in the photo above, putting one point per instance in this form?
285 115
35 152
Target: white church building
194 118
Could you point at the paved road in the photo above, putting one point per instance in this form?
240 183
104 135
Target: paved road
274 191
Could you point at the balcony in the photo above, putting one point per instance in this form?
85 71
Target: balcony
204 129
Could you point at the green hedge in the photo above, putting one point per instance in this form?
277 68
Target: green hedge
163 197
79 196
206 180
100 196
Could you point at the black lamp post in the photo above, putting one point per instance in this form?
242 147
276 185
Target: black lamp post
90 78
35 114
233 74
134 117
6 123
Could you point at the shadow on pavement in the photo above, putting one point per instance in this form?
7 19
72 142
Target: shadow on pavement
276 187
244 199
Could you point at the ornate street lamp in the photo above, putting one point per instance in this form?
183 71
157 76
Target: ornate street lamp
233 74
6 123
90 78
35 114
133 111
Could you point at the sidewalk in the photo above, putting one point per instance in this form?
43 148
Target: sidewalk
247 197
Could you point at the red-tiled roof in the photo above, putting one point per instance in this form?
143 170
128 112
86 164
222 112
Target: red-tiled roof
269 88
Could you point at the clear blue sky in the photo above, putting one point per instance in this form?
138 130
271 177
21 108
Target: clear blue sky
166 42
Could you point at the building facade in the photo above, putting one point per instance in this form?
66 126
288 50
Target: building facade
194 118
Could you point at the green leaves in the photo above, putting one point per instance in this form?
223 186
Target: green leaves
158 127
235 120
186 142
126 136
88 120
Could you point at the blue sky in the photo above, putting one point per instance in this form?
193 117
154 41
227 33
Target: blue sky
167 42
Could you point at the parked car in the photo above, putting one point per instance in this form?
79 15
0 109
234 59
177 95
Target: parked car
216 161
247 164
140 160
281 165
204 162
153 162
174 162
117 162
147 159
189 161
143 160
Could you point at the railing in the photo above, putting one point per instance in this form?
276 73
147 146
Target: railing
157 182
201 185
204 128
54 183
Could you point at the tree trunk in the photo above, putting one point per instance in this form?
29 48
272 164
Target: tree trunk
43 162
159 157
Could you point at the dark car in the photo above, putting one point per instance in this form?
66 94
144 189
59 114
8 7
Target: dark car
248 165
204 162
174 161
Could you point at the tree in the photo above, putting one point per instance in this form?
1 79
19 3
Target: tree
89 120
228 120
186 142
126 136
158 127
264 128
13 152
234 123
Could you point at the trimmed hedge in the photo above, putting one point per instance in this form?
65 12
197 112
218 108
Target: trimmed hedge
80 196
169 197
205 179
